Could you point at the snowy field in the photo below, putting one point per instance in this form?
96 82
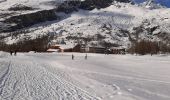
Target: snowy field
55 76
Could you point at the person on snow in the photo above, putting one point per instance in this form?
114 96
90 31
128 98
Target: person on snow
15 53
11 53
72 57
86 57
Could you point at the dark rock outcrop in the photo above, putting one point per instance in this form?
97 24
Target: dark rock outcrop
27 20
91 4
20 7
68 7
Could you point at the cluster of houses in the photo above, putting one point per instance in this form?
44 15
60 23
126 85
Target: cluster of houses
85 49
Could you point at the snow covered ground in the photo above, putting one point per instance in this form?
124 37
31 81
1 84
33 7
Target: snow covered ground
30 76
43 4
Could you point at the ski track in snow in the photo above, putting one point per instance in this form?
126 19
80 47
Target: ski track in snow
27 80
57 77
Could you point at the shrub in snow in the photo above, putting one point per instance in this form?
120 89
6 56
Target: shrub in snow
144 47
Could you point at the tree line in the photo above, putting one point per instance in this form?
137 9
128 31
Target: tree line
39 45
144 47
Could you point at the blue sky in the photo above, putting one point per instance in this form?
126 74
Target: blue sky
162 2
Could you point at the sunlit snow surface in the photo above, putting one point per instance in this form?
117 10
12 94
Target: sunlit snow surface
43 4
100 77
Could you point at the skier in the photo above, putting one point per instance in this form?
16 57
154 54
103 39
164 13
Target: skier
15 53
11 53
86 57
72 57
105 52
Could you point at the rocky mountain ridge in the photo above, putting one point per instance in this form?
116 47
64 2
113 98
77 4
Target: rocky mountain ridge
100 22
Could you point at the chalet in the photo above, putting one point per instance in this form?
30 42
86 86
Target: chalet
52 50
97 49
90 49
118 50
60 48
80 48
77 48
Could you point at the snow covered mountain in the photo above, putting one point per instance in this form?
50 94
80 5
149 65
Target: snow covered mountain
43 4
161 2
99 21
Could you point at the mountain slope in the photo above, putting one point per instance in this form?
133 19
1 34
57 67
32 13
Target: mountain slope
161 2
117 25
42 4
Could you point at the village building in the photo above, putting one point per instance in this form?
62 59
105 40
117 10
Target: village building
56 46
60 48
88 49
118 50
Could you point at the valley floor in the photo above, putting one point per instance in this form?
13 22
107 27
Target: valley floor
30 76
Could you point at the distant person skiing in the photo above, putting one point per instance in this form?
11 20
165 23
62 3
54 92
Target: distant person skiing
106 52
86 57
15 53
11 53
72 57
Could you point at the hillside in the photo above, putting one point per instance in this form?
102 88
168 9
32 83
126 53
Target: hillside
165 3
117 24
